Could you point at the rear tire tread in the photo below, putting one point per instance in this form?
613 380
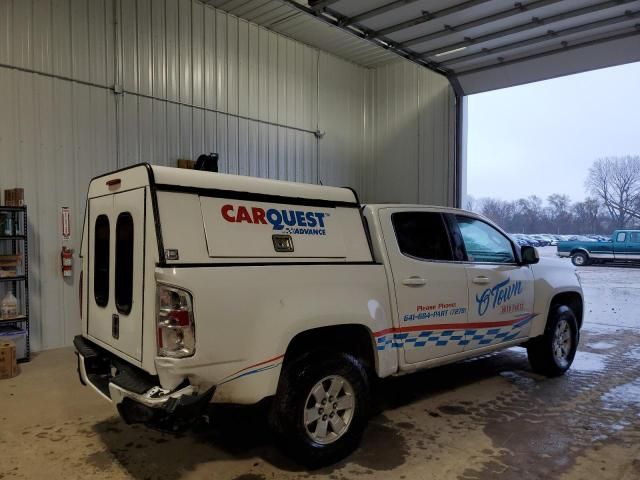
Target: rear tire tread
287 418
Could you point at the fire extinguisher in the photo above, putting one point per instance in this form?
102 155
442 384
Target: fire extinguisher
66 259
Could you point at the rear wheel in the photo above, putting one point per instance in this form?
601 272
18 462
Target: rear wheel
580 259
552 354
321 407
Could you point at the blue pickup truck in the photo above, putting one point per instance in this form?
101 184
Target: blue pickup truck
624 246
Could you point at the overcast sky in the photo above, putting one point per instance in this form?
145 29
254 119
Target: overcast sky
541 138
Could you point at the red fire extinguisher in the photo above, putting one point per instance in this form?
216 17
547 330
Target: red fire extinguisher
66 258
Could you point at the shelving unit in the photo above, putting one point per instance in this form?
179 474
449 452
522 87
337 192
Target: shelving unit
18 284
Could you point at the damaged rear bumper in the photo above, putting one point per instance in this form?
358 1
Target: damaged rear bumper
138 396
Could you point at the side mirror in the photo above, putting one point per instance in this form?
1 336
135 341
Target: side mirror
529 255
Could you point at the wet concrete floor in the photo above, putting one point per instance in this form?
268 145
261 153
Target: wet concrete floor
486 418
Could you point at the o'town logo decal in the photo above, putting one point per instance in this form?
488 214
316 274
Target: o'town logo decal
297 222
495 296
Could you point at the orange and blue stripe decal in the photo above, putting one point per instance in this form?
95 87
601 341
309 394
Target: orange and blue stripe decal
440 335
416 336
255 368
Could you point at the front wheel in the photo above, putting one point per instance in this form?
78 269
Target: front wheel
580 259
321 408
552 354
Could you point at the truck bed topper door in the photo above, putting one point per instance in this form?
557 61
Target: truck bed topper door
116 262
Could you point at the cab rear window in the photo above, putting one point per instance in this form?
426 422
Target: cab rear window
422 235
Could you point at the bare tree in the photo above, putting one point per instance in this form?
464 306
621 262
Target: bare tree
587 216
497 210
528 214
470 204
616 181
559 210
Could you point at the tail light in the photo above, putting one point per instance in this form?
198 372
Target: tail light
176 329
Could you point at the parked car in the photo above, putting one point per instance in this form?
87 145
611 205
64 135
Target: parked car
520 239
201 287
542 240
551 239
535 241
624 245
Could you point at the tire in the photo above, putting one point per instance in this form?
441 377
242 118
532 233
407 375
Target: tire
580 259
549 355
295 407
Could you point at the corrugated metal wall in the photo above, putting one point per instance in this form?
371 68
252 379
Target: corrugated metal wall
196 79
413 139
190 79
342 109
55 135
193 80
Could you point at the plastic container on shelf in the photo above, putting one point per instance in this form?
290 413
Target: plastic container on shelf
9 306
6 223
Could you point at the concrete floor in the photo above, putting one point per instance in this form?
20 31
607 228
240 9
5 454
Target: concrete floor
488 418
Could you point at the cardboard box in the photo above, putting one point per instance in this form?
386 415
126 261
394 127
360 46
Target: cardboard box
8 197
10 260
8 363
190 164
14 197
15 336
18 197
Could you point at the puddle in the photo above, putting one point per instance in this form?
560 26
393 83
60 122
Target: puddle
517 378
600 345
599 328
634 353
622 395
589 362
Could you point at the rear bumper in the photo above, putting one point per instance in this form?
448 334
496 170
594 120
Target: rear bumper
563 254
138 396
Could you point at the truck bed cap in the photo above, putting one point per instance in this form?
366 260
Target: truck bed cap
197 181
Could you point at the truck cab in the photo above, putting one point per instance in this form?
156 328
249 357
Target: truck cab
204 288
624 246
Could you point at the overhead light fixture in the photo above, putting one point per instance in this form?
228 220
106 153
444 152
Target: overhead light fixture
448 52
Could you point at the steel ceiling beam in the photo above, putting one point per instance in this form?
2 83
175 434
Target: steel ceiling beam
428 16
380 10
629 32
450 29
320 4
549 35
367 34
534 23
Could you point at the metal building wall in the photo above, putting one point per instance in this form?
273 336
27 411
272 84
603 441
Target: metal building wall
189 79
413 139
197 80
342 104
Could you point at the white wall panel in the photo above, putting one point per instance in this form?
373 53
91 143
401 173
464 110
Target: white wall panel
412 140
342 112
71 38
184 51
59 135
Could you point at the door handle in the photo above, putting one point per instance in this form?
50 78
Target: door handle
481 280
414 281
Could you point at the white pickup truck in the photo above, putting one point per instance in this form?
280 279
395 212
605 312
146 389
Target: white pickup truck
203 287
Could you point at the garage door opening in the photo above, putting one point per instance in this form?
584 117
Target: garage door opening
557 159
